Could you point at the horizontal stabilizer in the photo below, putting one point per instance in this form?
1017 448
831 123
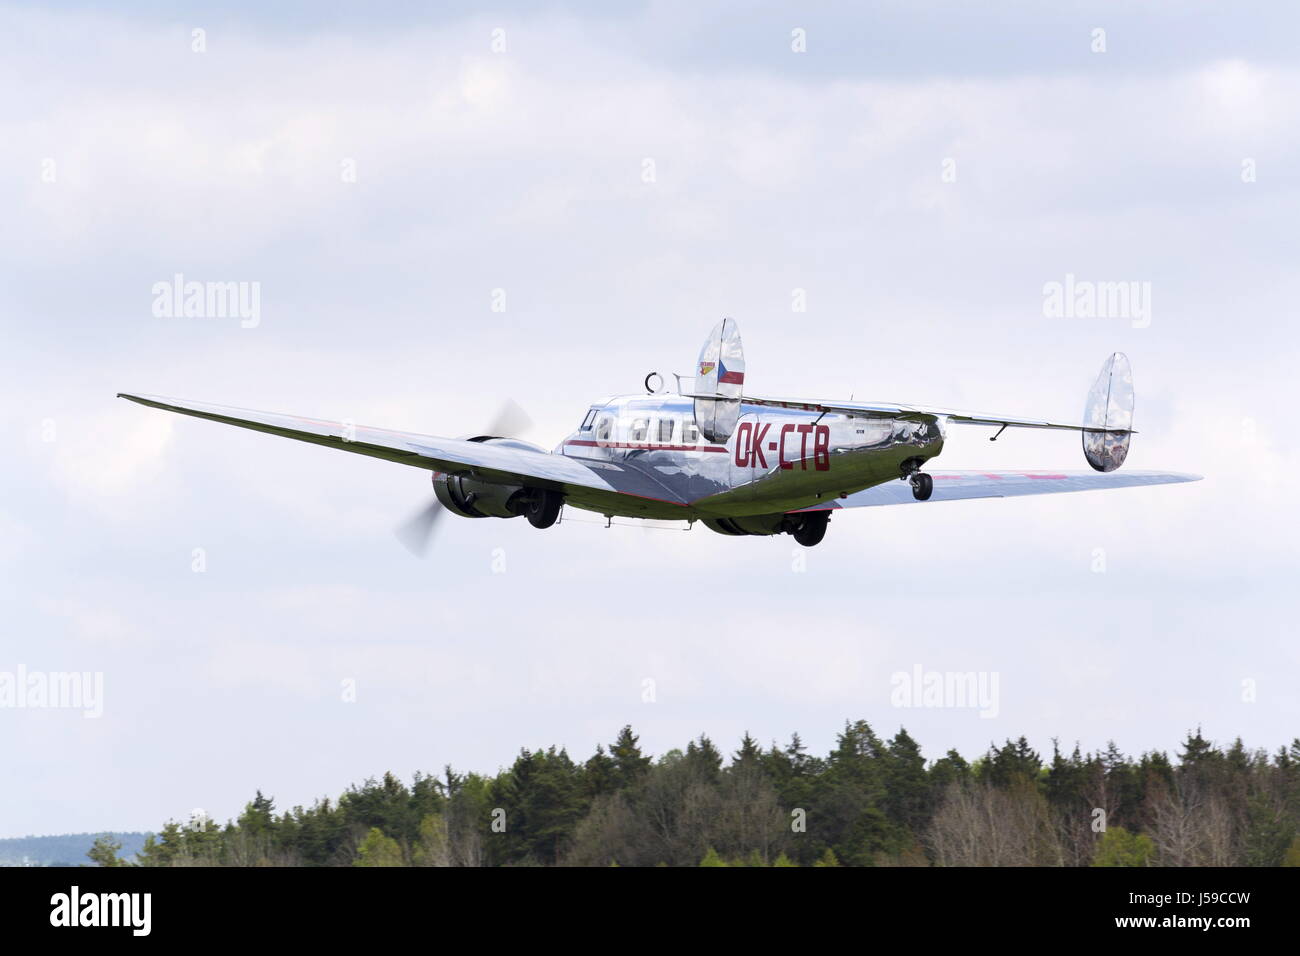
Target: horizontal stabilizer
963 485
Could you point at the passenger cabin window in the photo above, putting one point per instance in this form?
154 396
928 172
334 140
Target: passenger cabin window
603 427
638 430
690 434
586 422
666 428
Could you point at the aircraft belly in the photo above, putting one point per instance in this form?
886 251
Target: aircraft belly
847 470
627 506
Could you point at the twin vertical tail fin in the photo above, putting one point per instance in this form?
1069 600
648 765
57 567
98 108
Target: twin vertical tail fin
719 379
1108 415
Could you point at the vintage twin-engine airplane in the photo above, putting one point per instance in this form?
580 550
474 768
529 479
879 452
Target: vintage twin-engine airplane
740 464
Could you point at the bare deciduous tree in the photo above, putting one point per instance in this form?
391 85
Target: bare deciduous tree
979 824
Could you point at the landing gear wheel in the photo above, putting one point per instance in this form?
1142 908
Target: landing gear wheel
922 486
811 528
543 508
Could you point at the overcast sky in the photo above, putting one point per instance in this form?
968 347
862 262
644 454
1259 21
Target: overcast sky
920 171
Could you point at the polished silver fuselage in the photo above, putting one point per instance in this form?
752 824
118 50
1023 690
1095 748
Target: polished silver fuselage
776 460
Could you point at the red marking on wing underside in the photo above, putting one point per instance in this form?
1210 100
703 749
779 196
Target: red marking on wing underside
1010 474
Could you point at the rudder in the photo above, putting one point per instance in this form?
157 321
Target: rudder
1108 415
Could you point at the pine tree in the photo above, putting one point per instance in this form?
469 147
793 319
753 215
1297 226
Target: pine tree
600 774
846 800
1012 761
428 796
1196 749
749 751
165 848
704 760
385 804
629 763
257 817
542 797
104 851
1268 831
949 769
907 800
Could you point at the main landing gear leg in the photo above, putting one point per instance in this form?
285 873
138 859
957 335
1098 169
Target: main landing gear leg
543 508
811 528
922 484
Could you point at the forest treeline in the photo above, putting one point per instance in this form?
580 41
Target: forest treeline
869 802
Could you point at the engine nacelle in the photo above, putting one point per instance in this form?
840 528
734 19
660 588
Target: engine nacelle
474 498
471 498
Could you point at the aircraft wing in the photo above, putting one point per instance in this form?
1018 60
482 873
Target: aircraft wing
923 413
959 485
493 462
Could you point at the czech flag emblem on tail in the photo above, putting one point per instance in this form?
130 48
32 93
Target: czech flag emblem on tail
726 377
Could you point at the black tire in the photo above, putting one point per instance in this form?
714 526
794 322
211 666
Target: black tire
922 486
812 528
544 508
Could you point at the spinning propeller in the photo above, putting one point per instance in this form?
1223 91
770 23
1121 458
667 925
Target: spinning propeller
416 532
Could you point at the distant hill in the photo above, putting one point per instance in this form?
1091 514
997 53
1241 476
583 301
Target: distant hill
68 849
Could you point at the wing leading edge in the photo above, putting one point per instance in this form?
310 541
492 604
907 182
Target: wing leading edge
493 462
963 485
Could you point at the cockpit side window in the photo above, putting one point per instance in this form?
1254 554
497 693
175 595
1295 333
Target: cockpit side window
666 428
604 425
639 429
